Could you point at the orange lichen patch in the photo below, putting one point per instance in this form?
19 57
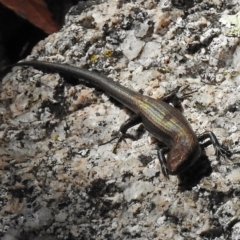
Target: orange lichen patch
94 58
163 21
108 53
3 164
35 11
13 206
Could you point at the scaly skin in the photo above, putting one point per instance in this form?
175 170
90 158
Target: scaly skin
165 122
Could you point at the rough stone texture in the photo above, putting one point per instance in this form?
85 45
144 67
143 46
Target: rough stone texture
58 182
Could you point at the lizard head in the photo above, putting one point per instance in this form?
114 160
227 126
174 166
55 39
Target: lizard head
180 158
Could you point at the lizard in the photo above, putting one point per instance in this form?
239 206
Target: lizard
165 122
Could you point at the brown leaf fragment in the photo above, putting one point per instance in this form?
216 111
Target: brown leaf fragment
35 11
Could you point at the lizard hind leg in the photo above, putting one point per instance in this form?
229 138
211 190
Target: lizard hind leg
132 121
175 97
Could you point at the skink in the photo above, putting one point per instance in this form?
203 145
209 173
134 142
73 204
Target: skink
166 123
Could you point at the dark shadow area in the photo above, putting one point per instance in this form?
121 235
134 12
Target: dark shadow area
192 176
18 36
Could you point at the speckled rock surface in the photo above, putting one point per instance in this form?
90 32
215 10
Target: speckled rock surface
59 182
